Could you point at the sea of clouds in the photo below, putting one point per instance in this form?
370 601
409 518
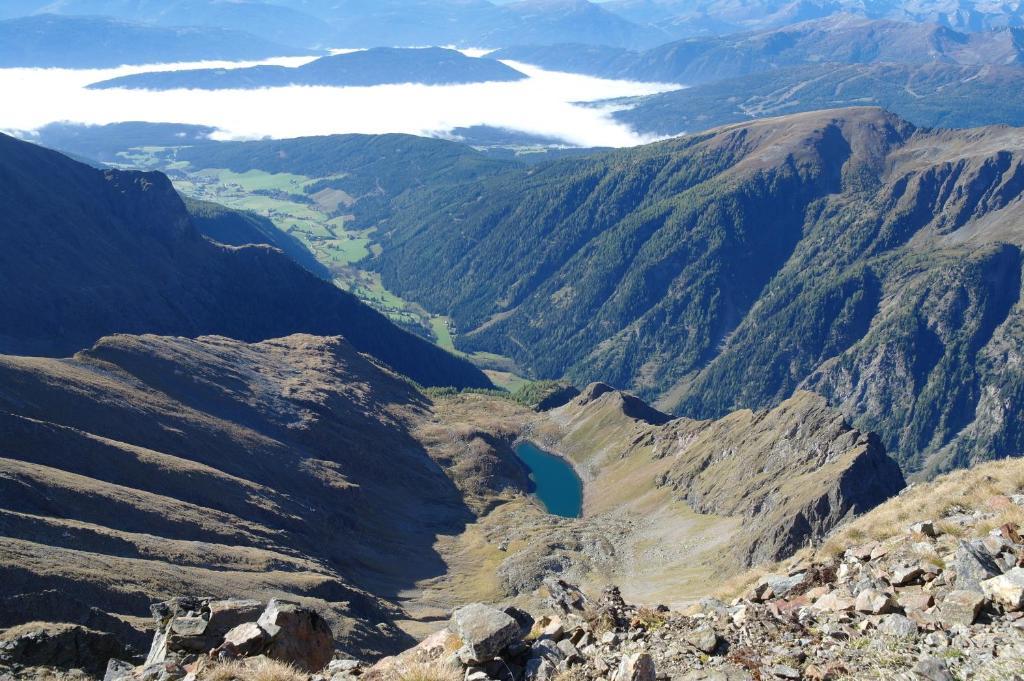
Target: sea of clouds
547 103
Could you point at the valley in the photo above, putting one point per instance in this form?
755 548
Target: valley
511 340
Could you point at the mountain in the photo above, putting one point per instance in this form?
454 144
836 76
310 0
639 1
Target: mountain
112 143
240 228
376 66
555 21
269 21
476 23
845 252
841 39
89 253
299 468
930 95
146 466
48 40
688 18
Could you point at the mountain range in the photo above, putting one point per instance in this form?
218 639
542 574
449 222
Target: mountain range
838 39
376 66
48 41
846 252
92 252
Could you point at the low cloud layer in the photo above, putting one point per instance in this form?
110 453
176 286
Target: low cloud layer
543 104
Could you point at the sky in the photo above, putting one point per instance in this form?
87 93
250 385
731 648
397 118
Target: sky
543 104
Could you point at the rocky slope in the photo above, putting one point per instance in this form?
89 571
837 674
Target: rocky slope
89 252
928 586
843 251
148 467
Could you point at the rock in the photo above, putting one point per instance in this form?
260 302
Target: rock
523 619
926 528
932 669
961 607
118 670
703 638
484 631
432 648
565 597
898 626
783 671
65 646
776 586
298 635
570 653
874 602
638 667
834 602
915 601
906 575
973 565
225 615
552 627
1007 590
245 639
539 669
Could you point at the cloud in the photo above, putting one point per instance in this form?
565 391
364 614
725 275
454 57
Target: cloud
545 104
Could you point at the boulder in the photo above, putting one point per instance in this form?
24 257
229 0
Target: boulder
484 631
898 626
245 639
834 602
437 646
874 602
906 575
297 635
638 667
1007 590
66 646
703 638
973 565
961 607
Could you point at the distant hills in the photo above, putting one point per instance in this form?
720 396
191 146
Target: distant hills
842 39
96 42
844 251
88 253
933 95
377 66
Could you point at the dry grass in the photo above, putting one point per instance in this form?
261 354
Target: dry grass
435 670
982 488
960 491
253 669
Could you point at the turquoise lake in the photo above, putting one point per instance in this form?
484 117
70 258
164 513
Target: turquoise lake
555 482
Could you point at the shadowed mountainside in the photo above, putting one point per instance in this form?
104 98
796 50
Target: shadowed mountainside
147 467
88 253
842 251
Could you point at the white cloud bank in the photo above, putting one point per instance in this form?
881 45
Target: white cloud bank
543 104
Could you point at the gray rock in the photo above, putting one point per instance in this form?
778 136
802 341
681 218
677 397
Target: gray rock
298 635
118 670
932 669
245 639
1007 590
703 638
961 607
874 602
898 626
784 672
570 653
927 528
638 667
484 631
539 669
973 565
